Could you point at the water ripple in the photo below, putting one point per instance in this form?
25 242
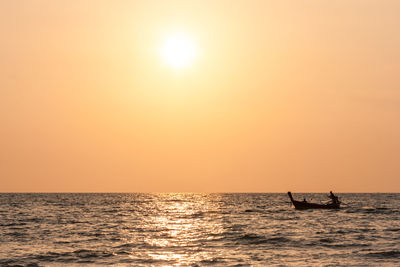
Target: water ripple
196 230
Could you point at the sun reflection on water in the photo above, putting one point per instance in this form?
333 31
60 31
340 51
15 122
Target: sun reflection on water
182 229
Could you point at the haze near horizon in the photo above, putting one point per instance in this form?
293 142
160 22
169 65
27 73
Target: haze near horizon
199 96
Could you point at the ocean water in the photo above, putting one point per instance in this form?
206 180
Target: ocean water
197 230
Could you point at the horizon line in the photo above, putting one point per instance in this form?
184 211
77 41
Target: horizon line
189 192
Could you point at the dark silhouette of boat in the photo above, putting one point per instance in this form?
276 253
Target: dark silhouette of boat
303 205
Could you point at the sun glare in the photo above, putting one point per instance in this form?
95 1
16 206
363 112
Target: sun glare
178 51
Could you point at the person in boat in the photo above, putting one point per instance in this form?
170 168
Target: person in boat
304 200
335 199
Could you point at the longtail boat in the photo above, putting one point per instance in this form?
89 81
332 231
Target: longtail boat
303 205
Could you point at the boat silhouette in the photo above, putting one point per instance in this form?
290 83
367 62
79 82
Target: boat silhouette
303 205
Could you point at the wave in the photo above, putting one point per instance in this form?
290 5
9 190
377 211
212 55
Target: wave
86 253
374 210
254 210
385 254
259 239
80 254
12 263
393 229
13 224
345 245
213 261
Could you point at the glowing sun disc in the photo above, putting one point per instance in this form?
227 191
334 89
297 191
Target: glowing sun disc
178 51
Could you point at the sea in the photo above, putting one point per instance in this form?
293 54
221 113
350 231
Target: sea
185 229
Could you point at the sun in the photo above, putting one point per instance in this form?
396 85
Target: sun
178 51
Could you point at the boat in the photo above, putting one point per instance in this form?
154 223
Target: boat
303 205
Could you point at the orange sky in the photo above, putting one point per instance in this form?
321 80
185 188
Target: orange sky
283 95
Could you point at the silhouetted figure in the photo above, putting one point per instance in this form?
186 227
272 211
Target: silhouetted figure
304 200
335 199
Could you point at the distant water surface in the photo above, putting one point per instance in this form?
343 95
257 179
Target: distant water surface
197 230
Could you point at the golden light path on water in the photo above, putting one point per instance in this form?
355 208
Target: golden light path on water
184 227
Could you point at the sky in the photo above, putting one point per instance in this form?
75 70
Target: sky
280 95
